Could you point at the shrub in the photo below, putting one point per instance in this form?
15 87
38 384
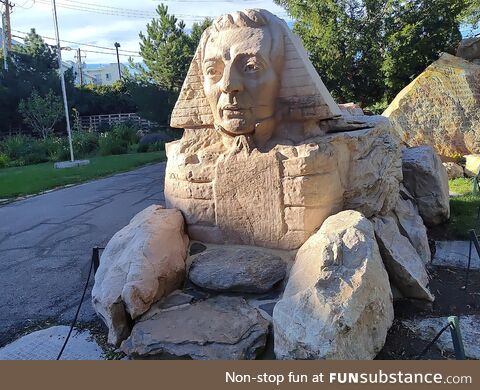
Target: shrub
109 144
57 148
15 146
4 160
153 147
36 153
85 143
23 150
127 132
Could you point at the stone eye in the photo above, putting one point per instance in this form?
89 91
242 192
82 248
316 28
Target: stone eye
211 71
251 67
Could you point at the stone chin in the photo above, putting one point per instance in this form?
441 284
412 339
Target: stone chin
261 132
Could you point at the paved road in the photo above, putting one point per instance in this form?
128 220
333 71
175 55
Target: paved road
46 241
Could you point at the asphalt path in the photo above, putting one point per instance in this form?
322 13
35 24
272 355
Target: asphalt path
46 243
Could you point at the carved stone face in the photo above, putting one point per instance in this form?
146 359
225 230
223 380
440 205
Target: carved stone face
240 82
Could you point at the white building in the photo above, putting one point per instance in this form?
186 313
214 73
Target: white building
99 74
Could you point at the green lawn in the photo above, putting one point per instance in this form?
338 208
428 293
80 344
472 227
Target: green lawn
463 210
32 179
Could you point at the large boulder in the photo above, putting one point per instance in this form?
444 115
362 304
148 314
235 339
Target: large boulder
426 178
338 302
216 328
454 171
441 108
237 269
141 263
404 266
472 165
469 49
411 226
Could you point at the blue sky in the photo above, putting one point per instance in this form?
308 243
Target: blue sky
101 23
97 23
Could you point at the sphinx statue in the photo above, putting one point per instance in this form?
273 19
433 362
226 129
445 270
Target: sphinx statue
289 194
257 164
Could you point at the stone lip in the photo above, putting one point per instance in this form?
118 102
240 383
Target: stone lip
216 328
243 270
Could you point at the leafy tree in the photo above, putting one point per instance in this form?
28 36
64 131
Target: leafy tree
471 15
367 50
32 66
167 50
94 99
42 112
417 31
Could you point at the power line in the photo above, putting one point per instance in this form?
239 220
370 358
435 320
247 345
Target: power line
89 51
123 12
80 43
26 1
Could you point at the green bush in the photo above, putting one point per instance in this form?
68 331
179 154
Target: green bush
153 147
23 150
127 132
57 148
15 146
4 160
85 143
109 144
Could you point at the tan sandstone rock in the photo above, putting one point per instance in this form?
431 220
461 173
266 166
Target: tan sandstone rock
404 266
441 108
472 165
266 155
411 226
337 303
426 178
141 263
454 171
278 198
469 49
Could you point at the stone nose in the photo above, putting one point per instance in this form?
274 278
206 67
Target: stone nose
231 81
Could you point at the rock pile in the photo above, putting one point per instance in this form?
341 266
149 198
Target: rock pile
267 172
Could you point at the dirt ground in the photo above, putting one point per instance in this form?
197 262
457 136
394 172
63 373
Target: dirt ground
450 299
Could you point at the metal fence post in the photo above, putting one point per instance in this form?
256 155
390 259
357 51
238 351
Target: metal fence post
456 337
95 258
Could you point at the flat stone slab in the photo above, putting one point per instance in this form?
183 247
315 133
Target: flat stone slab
455 254
216 328
234 269
428 328
71 164
46 344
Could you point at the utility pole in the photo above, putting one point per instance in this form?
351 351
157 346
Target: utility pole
117 45
6 22
79 64
5 51
62 79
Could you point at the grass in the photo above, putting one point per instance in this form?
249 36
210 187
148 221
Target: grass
33 179
460 186
463 210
